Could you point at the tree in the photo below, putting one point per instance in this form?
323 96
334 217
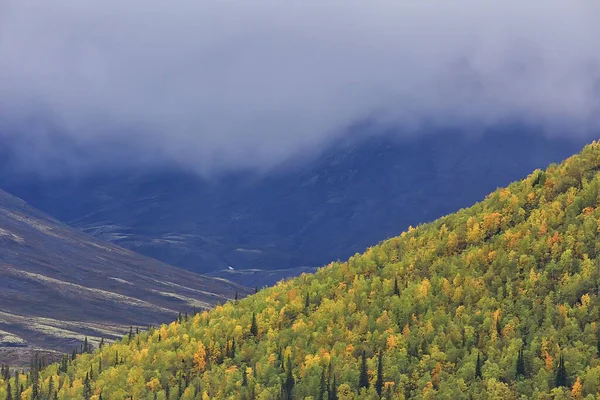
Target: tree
561 373
520 365
244 377
254 326
306 302
236 295
289 379
333 390
87 387
322 386
363 380
396 288
379 381
50 387
478 366
8 392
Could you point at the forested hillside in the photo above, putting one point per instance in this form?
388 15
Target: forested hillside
496 301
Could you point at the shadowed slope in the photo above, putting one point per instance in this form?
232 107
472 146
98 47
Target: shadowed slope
58 284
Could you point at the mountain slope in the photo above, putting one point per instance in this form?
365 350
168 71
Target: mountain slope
497 301
58 285
328 208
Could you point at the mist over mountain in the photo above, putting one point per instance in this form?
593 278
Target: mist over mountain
353 195
227 86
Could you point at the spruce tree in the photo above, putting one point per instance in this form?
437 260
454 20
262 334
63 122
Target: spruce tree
17 392
363 381
379 381
478 367
333 390
244 377
520 365
50 387
254 326
396 288
306 302
322 387
289 379
8 392
236 295
87 388
561 373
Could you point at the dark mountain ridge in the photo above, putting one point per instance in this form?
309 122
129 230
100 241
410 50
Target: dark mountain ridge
329 207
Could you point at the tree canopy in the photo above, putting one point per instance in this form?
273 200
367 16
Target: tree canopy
496 301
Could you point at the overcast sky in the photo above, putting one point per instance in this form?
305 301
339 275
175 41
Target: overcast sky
250 83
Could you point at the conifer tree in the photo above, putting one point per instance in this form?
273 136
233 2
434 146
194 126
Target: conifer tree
306 302
396 288
379 381
478 366
244 377
17 392
289 379
8 392
254 326
520 364
561 373
363 381
87 388
333 390
322 386
236 295
50 387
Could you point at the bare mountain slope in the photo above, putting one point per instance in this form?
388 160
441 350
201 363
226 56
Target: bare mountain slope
58 285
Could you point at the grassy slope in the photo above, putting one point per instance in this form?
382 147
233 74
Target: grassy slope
518 270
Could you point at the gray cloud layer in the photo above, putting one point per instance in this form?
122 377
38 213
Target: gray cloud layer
249 83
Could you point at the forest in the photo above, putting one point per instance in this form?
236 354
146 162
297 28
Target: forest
496 301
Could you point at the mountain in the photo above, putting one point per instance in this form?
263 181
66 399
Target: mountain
58 285
496 301
326 207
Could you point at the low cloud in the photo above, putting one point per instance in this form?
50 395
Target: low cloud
232 84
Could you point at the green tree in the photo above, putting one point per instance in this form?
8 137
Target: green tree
322 386
254 326
289 379
561 373
520 364
379 381
363 380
